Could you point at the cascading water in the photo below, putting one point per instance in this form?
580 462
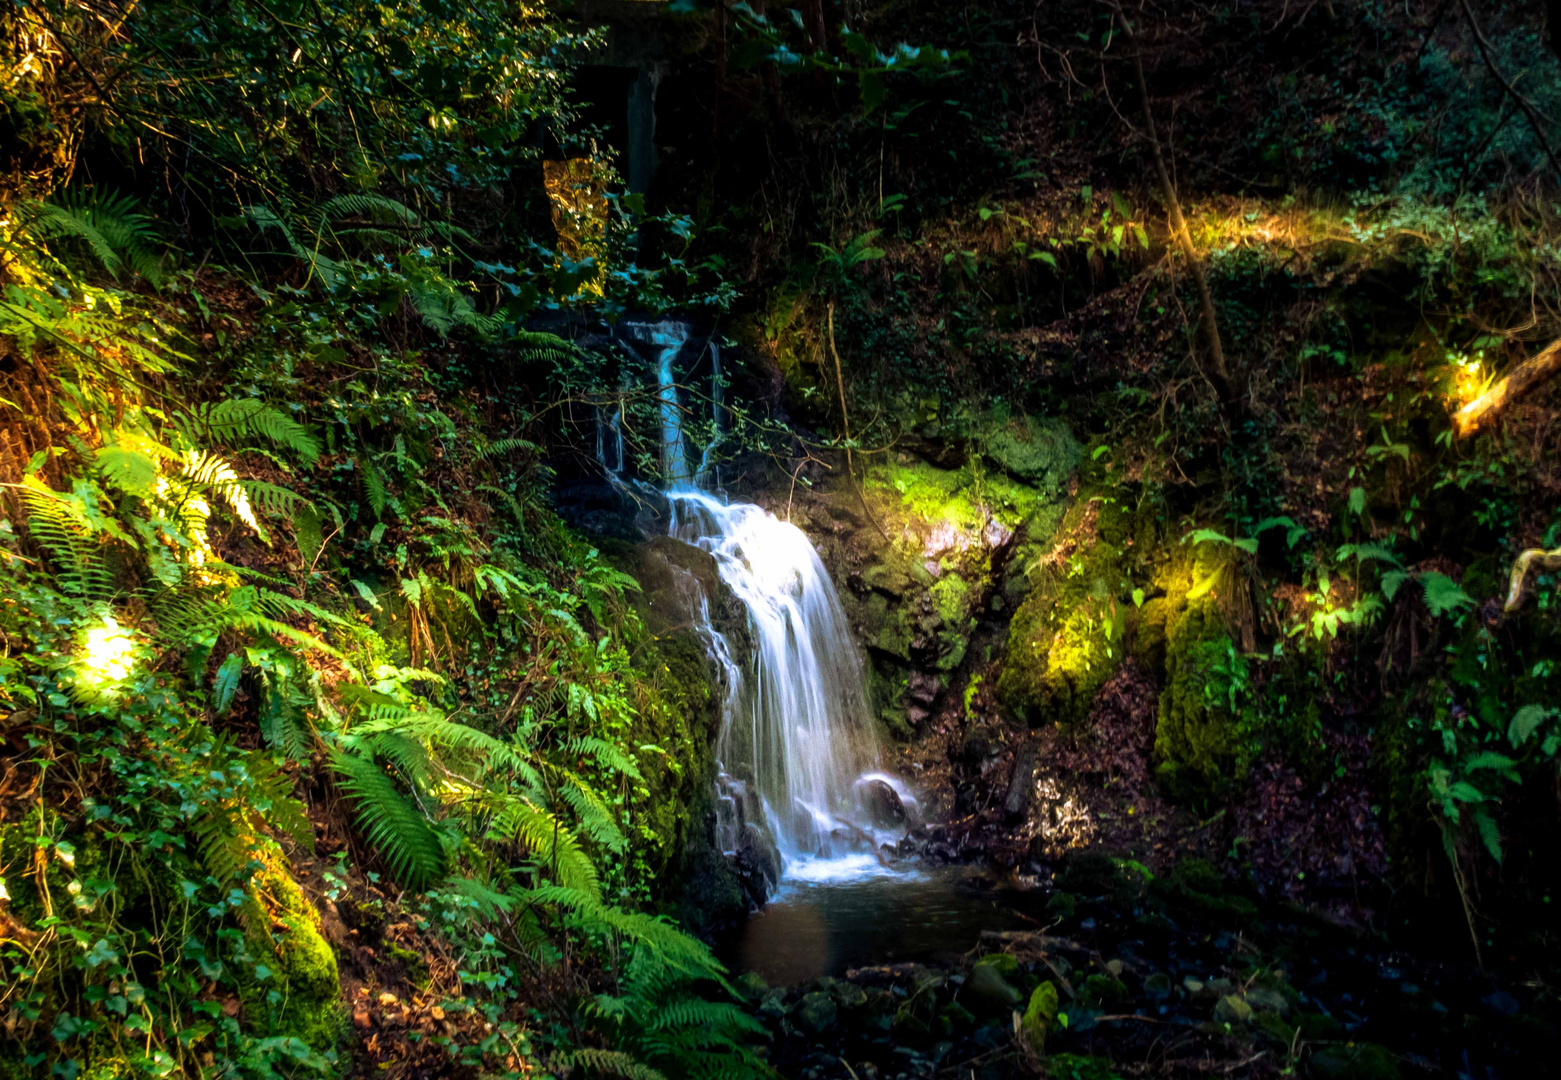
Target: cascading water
798 744
798 727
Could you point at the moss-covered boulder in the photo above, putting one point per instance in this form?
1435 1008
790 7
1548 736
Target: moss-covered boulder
1068 636
295 985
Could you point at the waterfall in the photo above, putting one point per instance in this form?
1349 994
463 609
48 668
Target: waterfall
797 727
670 336
800 793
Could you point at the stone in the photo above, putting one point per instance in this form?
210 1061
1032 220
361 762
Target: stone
815 1013
1353 1061
976 746
773 1005
751 985
1039 1016
987 993
1231 1009
1021 786
883 804
1266 1000
848 995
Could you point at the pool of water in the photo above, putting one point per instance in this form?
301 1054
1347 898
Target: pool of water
826 919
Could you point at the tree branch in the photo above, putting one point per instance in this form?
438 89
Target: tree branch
1518 382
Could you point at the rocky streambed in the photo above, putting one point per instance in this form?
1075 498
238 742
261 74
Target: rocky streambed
1102 969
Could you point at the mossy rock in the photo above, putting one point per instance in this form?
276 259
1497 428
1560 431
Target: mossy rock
1099 990
1196 884
1068 635
1004 964
301 997
1353 1061
1039 1016
1042 452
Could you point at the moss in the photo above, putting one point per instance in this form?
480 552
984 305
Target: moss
1039 1016
1066 638
302 995
1197 885
1041 452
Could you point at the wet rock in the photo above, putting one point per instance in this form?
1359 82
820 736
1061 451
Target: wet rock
883 805
1231 1009
987 993
1353 1061
815 1013
758 862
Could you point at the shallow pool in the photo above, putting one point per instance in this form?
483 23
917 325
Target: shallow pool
821 924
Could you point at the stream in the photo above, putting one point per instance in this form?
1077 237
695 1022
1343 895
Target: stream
864 964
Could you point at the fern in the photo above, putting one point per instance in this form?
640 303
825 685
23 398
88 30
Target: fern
550 841
236 419
594 817
608 1063
118 235
61 527
603 753
397 830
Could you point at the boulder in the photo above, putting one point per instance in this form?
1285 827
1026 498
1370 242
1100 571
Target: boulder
987 993
883 804
815 1013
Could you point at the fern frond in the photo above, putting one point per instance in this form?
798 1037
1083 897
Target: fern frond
551 843
117 234
595 819
603 753
398 831
608 1063
236 419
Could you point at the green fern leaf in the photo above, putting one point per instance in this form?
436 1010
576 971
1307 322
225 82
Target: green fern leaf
396 829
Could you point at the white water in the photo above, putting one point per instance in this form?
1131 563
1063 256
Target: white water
797 724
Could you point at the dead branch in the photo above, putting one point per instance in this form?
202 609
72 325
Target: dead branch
1520 381
1544 560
